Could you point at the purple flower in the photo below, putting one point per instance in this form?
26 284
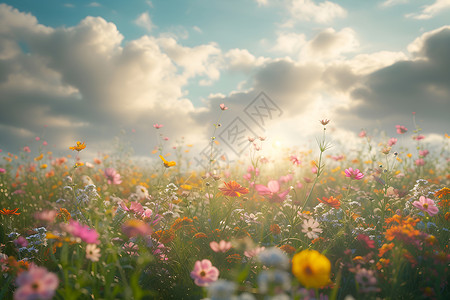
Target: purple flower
353 174
204 273
36 283
112 176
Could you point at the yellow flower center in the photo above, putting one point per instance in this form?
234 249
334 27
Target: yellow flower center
425 205
202 273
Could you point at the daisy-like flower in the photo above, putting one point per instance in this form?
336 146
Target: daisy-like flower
112 176
167 164
157 126
79 146
311 268
204 273
222 246
353 174
324 122
426 205
333 202
311 228
36 283
271 190
392 142
92 252
233 189
5 211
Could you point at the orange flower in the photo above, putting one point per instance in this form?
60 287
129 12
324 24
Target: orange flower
333 202
180 222
9 212
288 249
164 236
233 189
63 214
167 164
80 146
275 229
200 235
442 192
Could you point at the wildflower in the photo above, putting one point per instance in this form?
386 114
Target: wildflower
401 129
427 205
2 171
311 268
92 252
36 283
274 257
367 281
233 189
362 134
131 248
134 227
221 290
223 107
392 142
442 192
64 214
5 211
26 149
86 234
424 153
418 137
295 160
133 207
46 215
271 190
167 164
21 242
288 249
333 202
158 126
181 222
354 174
366 241
324 122
80 146
38 158
204 273
112 176
420 162
275 229
311 228
164 236
222 246
253 252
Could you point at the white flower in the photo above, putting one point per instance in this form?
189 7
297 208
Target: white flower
274 257
141 192
311 228
92 252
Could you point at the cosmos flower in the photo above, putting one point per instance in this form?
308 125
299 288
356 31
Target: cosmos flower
157 126
353 174
112 176
92 252
86 234
426 205
233 189
311 268
134 227
311 228
223 107
222 246
36 283
401 129
333 202
204 273
271 190
79 146
324 122
167 164
392 142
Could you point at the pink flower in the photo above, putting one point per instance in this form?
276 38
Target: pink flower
112 176
295 160
366 241
21 242
420 162
222 246
271 190
204 273
158 126
392 142
37 138
86 234
353 174
401 129
426 205
286 179
44 143
338 157
36 283
314 170
46 215
133 207
134 227
2 171
424 153
418 137
362 134
223 107
26 149
253 252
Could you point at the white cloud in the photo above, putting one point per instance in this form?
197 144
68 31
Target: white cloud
389 3
429 11
262 2
144 21
289 43
242 60
94 4
198 29
323 12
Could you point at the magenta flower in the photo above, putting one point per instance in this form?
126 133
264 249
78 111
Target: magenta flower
112 176
271 190
133 207
204 273
86 234
295 160
392 142
426 205
223 107
362 134
420 162
158 126
2 171
424 153
401 129
353 174
418 137
21 242
26 149
222 246
36 283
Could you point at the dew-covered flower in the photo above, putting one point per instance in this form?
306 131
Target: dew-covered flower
36 283
427 205
311 228
204 273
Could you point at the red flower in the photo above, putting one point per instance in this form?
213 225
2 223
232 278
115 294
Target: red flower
233 189
9 212
366 241
333 202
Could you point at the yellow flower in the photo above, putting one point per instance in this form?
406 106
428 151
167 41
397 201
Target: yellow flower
311 268
80 146
39 157
167 164
44 166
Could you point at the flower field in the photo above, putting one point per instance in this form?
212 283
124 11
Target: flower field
371 223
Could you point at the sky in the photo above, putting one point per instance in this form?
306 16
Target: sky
94 71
